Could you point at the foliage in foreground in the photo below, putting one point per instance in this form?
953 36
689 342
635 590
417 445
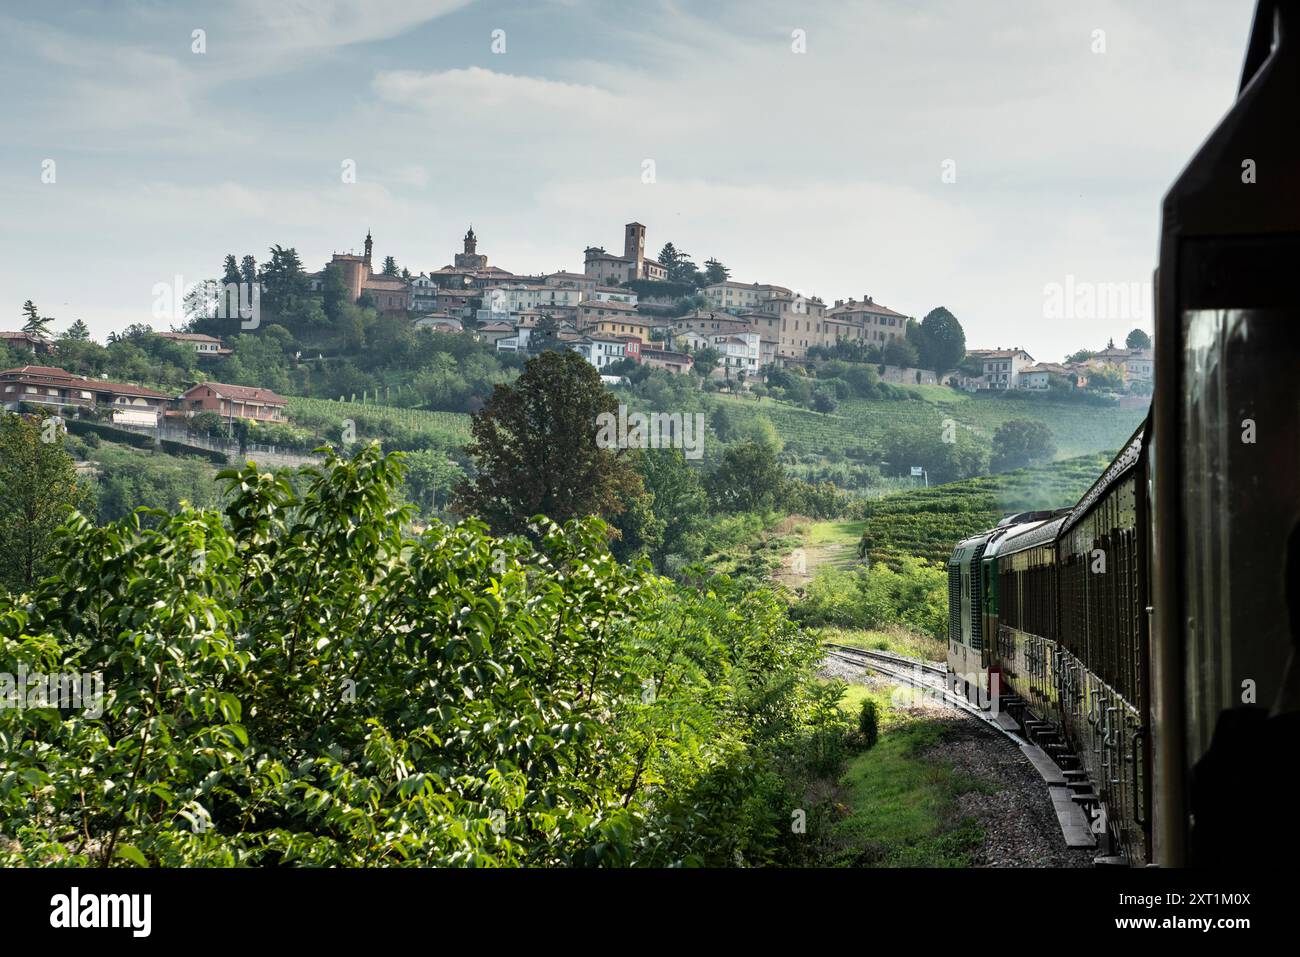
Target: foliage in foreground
302 684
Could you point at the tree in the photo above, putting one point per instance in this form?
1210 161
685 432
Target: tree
715 272
390 266
326 690
668 257
1137 339
677 497
38 488
78 331
748 478
230 274
1021 442
824 400
334 292
283 281
534 445
942 341
900 352
1106 377
1083 355
34 324
248 270
706 360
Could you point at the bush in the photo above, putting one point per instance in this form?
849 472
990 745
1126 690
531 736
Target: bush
869 723
915 595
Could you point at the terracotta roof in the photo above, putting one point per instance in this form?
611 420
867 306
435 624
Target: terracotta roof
187 337
243 393
53 376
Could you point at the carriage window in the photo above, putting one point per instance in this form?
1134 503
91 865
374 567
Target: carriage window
1240 472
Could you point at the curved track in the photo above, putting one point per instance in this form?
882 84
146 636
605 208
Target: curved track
919 674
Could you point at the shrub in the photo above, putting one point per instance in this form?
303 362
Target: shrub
869 723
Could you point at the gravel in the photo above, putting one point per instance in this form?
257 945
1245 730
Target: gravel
1011 804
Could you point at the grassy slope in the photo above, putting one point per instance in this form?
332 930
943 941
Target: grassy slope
901 802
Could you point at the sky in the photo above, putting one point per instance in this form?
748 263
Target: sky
973 155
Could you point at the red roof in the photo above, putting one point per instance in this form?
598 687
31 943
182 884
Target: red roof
52 376
243 393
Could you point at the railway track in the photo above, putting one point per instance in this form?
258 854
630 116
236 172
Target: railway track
919 674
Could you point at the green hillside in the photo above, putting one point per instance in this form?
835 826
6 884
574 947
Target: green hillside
928 522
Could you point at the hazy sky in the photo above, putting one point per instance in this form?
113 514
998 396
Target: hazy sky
821 170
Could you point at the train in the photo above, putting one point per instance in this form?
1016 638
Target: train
1147 635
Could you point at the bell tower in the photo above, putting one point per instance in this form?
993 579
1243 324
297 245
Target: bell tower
370 246
634 250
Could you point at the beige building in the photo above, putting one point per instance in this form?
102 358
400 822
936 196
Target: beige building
610 270
864 321
740 297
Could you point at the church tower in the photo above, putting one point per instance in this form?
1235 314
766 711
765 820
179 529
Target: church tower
634 250
370 245
470 258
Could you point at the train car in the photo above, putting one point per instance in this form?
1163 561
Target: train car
1103 551
1027 632
973 609
1151 637
965 621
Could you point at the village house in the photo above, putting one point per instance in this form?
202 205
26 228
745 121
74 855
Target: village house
58 388
205 347
675 362
233 401
740 297
1002 367
25 341
1037 378
865 322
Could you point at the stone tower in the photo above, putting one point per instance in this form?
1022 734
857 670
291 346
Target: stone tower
370 246
634 250
470 258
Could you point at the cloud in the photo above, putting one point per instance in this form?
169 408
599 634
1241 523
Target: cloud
469 91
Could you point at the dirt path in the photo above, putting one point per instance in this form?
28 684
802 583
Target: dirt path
827 543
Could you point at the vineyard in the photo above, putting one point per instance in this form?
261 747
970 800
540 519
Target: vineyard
859 426
396 428
927 523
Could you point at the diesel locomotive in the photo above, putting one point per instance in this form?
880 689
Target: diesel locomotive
1152 627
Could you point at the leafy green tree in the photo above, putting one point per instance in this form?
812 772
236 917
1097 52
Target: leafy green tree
78 331
248 270
304 684
1106 377
715 272
390 267
678 499
942 341
38 487
34 324
706 360
748 478
534 445
1137 339
824 401
900 352
1021 442
1083 355
334 292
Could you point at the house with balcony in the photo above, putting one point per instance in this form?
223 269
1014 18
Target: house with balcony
233 402
59 389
